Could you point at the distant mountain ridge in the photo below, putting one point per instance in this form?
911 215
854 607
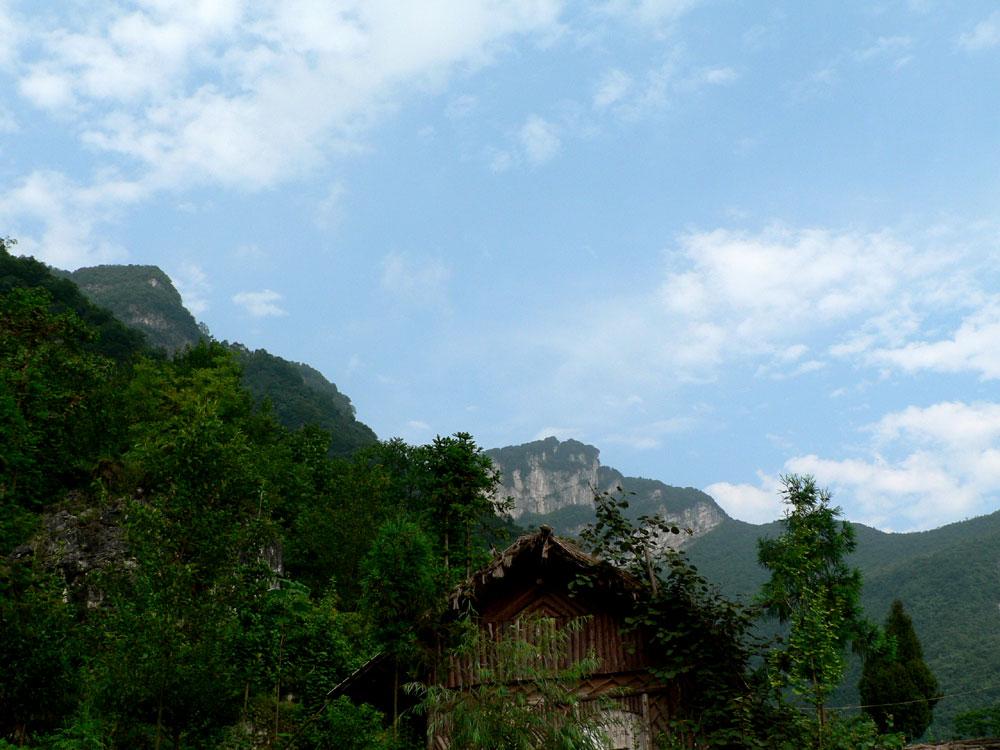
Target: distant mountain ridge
553 482
947 578
145 298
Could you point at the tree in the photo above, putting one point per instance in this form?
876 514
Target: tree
898 688
978 722
459 485
693 635
813 591
401 594
50 403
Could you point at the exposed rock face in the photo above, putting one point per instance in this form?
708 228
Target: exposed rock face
547 475
554 482
76 540
144 298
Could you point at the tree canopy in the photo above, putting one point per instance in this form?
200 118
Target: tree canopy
897 687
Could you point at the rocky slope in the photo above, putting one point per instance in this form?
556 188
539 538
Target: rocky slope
554 481
144 298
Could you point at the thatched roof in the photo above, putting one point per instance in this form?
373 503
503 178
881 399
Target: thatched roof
541 550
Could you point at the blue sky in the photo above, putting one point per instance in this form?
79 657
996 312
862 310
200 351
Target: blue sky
719 240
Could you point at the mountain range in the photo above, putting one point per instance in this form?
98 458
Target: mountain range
948 578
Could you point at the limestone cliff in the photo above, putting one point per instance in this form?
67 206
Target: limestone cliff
554 481
547 475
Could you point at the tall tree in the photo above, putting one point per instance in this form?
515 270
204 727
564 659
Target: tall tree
401 594
898 688
460 490
812 590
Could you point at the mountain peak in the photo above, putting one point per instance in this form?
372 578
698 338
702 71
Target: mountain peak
553 481
143 297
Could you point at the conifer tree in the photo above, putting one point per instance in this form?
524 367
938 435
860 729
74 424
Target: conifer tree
899 688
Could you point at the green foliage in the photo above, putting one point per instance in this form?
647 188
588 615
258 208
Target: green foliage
458 488
946 576
51 394
111 338
523 701
896 686
401 596
143 297
694 635
813 590
39 651
346 727
858 733
402 586
978 722
299 396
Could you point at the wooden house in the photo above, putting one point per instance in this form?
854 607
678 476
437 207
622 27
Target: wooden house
539 576
537 579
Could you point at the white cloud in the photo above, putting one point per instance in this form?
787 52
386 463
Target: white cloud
923 467
417 280
60 221
891 47
461 107
746 292
612 88
974 347
330 209
249 94
238 94
46 89
262 304
985 35
716 76
540 140
11 31
8 123
649 436
192 283
759 299
416 424
500 161
562 433
949 423
747 502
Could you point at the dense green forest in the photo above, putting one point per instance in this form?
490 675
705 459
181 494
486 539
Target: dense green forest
178 569
188 563
947 579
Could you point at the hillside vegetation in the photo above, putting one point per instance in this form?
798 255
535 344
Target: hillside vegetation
948 579
145 298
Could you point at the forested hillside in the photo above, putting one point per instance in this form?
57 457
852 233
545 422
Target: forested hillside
145 298
178 569
948 579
